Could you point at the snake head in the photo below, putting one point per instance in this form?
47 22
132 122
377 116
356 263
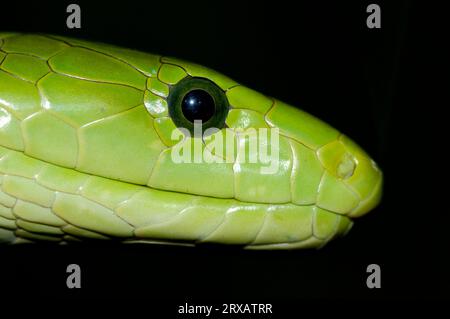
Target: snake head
312 163
103 141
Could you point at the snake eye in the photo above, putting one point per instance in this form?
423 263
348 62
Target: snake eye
198 105
197 99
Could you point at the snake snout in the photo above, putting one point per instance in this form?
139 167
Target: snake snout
369 188
351 184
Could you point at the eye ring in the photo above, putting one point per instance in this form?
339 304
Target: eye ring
197 98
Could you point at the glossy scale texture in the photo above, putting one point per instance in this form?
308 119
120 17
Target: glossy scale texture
85 152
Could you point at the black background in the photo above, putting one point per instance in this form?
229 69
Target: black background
320 57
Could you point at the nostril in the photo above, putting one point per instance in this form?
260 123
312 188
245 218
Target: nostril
346 167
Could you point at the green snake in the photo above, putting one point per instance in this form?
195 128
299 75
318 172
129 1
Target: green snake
86 152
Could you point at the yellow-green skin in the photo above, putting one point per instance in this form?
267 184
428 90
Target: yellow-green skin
85 152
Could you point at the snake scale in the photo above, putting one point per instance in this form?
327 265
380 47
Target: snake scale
86 153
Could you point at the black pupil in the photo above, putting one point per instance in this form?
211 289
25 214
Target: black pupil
198 105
